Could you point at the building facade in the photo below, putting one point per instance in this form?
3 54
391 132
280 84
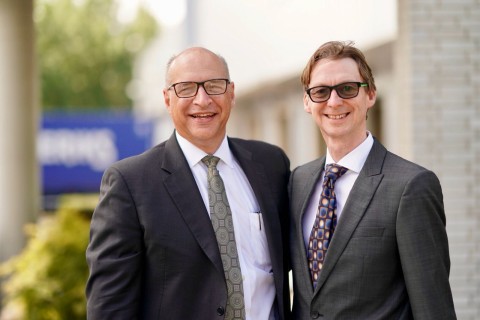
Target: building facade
428 111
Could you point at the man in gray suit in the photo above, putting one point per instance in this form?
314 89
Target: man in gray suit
375 247
153 251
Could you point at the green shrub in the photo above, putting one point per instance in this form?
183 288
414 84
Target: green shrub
47 280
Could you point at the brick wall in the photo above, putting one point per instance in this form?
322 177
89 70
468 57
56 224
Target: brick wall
438 69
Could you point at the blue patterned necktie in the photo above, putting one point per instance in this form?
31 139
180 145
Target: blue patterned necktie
222 222
325 222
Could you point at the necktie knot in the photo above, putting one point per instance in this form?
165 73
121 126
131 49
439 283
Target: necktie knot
334 171
211 161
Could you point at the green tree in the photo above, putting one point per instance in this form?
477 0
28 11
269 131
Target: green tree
86 54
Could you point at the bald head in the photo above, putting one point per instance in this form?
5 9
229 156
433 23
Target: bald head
194 56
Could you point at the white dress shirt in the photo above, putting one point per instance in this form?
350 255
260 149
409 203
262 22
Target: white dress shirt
354 162
255 263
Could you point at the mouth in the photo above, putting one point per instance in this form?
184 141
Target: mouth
203 115
337 116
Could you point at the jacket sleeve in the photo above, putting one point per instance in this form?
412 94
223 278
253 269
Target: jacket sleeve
115 253
423 248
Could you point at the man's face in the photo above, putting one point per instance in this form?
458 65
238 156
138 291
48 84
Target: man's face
201 119
340 120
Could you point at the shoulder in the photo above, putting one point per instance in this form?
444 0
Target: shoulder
253 152
396 164
404 173
391 164
313 164
313 167
254 145
258 149
144 160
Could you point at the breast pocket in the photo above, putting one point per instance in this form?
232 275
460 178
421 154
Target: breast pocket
258 242
368 232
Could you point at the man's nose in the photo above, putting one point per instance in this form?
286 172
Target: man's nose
334 100
202 96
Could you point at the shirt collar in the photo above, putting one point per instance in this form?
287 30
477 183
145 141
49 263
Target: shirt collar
194 155
356 158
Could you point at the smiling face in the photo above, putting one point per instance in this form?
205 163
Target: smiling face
341 121
201 119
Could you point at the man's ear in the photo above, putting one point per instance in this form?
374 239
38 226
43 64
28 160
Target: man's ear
306 103
232 92
166 98
372 97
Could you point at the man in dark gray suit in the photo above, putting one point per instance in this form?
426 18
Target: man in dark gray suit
153 252
375 247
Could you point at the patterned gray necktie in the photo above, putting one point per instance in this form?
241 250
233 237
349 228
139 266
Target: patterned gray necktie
222 222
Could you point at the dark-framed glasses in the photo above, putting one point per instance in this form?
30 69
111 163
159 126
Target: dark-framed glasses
346 90
188 89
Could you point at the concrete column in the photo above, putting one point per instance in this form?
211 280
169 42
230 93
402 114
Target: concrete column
305 140
19 191
400 129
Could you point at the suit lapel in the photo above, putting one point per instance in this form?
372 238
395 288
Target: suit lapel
183 189
357 203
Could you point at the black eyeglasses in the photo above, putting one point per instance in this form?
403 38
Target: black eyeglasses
346 90
189 89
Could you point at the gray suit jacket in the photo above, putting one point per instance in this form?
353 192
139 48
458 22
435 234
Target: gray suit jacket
388 258
153 252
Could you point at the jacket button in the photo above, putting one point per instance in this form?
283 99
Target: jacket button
315 314
220 311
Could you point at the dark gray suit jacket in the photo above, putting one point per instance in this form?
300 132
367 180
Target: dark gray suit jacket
153 252
389 256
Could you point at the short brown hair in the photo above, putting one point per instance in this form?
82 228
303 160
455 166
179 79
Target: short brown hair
335 50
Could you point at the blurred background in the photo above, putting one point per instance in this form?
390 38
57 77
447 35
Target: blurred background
81 87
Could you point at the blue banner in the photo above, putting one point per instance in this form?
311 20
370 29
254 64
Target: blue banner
74 149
